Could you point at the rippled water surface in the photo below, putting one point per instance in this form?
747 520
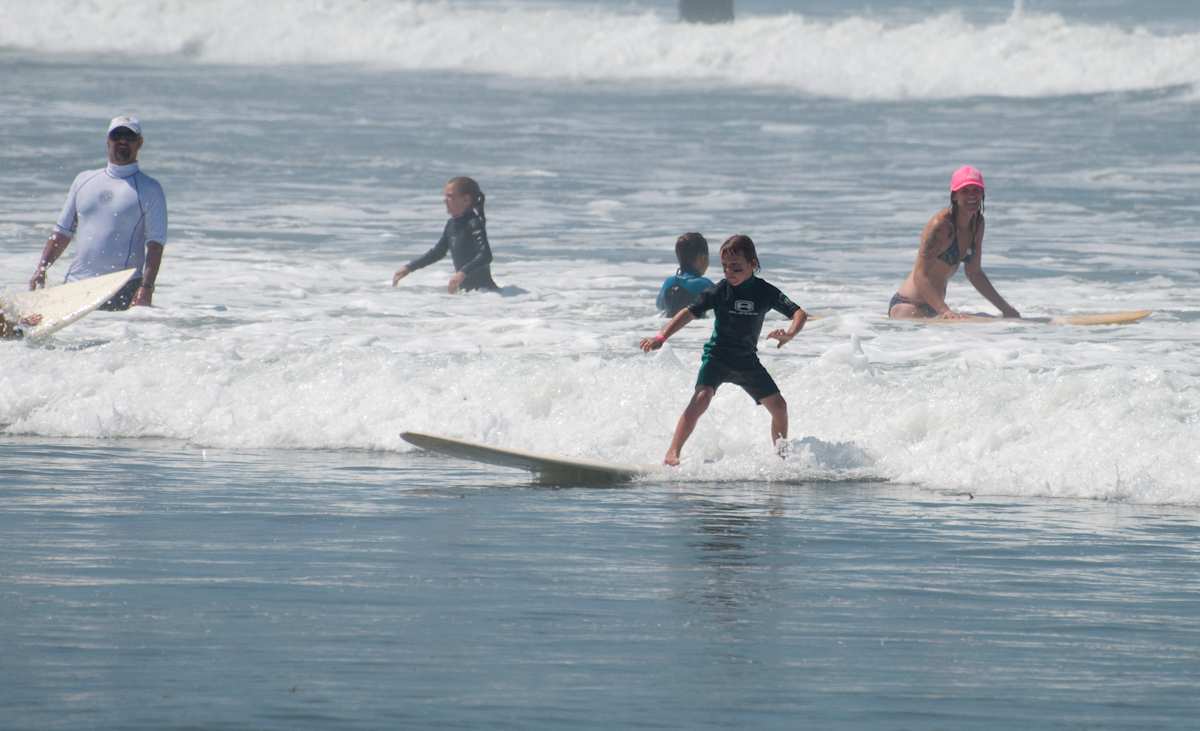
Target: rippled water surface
154 586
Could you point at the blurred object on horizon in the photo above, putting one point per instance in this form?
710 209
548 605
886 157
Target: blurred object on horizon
706 11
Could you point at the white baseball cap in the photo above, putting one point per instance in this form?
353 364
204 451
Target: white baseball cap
124 121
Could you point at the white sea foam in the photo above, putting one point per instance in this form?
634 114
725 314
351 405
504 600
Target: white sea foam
858 57
321 353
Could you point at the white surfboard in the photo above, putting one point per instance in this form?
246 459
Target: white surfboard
546 468
60 306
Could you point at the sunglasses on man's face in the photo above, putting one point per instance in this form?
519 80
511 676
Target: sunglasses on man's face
123 135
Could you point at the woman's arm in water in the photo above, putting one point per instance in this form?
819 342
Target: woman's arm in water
436 253
980 281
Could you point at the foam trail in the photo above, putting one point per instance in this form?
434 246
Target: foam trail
857 57
1003 409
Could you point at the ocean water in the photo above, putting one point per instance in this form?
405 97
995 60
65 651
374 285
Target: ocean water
210 520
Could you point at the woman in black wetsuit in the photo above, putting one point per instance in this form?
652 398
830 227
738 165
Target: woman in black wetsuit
465 237
954 235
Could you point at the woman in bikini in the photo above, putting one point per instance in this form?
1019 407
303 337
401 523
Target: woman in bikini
953 235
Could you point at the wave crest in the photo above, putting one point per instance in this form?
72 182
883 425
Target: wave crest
862 58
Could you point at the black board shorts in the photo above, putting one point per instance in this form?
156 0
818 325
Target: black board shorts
751 376
123 298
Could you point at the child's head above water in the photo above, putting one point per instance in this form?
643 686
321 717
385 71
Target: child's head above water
691 250
743 246
739 260
462 194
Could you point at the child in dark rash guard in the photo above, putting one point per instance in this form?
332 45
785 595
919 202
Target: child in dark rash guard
740 303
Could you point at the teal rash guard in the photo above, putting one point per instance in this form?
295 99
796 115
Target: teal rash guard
679 291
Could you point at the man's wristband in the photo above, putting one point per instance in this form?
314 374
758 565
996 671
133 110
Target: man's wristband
147 287
660 338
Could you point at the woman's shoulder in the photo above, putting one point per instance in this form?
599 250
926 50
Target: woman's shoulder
939 222
941 216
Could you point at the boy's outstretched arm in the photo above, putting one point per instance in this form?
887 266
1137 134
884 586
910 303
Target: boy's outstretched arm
676 323
797 324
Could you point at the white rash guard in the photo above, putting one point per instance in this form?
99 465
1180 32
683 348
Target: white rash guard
114 212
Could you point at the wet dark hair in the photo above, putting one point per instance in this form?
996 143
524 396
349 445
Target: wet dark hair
463 184
688 248
740 244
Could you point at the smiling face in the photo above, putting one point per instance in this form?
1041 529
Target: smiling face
457 202
123 146
969 199
736 268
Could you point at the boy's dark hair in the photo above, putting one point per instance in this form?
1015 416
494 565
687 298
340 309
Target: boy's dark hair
463 184
688 248
739 244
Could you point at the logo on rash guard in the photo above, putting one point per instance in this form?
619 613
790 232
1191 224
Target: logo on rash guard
106 196
743 307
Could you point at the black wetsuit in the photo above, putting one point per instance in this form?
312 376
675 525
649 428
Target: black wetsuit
466 240
731 354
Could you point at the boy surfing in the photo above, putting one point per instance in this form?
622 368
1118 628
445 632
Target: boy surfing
739 302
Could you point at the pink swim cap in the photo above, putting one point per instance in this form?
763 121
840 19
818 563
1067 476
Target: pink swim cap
964 176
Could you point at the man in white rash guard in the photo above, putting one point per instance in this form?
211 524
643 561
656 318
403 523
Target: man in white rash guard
119 215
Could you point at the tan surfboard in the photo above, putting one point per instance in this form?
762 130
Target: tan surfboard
1122 317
